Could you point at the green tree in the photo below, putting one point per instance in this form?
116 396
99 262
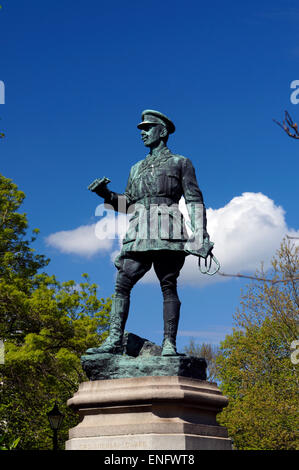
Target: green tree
46 326
254 363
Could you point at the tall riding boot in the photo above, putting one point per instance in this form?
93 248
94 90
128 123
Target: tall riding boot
171 314
118 317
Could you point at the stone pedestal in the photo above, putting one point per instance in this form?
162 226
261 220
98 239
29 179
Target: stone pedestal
148 413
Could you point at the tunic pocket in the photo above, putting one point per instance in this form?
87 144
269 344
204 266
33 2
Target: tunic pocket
173 184
132 231
159 183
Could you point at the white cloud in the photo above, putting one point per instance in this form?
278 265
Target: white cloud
81 241
246 232
89 240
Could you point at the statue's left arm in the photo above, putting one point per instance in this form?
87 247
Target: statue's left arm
195 207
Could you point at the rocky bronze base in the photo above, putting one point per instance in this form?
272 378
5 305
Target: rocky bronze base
111 366
148 413
141 358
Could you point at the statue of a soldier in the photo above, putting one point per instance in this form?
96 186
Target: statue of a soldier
156 233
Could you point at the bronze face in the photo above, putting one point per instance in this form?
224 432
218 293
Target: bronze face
152 134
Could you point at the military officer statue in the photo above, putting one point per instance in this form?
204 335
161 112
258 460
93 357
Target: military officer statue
156 234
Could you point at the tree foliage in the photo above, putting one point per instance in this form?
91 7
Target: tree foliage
254 364
46 326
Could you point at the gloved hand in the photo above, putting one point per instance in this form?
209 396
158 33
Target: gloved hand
99 186
203 250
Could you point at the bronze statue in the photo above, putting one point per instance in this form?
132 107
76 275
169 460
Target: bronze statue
156 234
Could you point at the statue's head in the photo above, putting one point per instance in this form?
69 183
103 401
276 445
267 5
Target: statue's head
155 127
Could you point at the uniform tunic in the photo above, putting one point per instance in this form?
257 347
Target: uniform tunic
154 188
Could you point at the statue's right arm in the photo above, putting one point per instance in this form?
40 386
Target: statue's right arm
99 186
121 202
112 200
116 201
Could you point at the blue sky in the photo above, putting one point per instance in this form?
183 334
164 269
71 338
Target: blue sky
77 76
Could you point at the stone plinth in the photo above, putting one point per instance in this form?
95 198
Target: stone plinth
148 413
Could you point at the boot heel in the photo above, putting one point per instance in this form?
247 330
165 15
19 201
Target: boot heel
168 348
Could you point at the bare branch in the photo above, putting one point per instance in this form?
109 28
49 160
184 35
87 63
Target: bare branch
255 278
287 124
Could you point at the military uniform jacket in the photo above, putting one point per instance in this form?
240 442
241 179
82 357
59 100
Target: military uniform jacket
154 188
